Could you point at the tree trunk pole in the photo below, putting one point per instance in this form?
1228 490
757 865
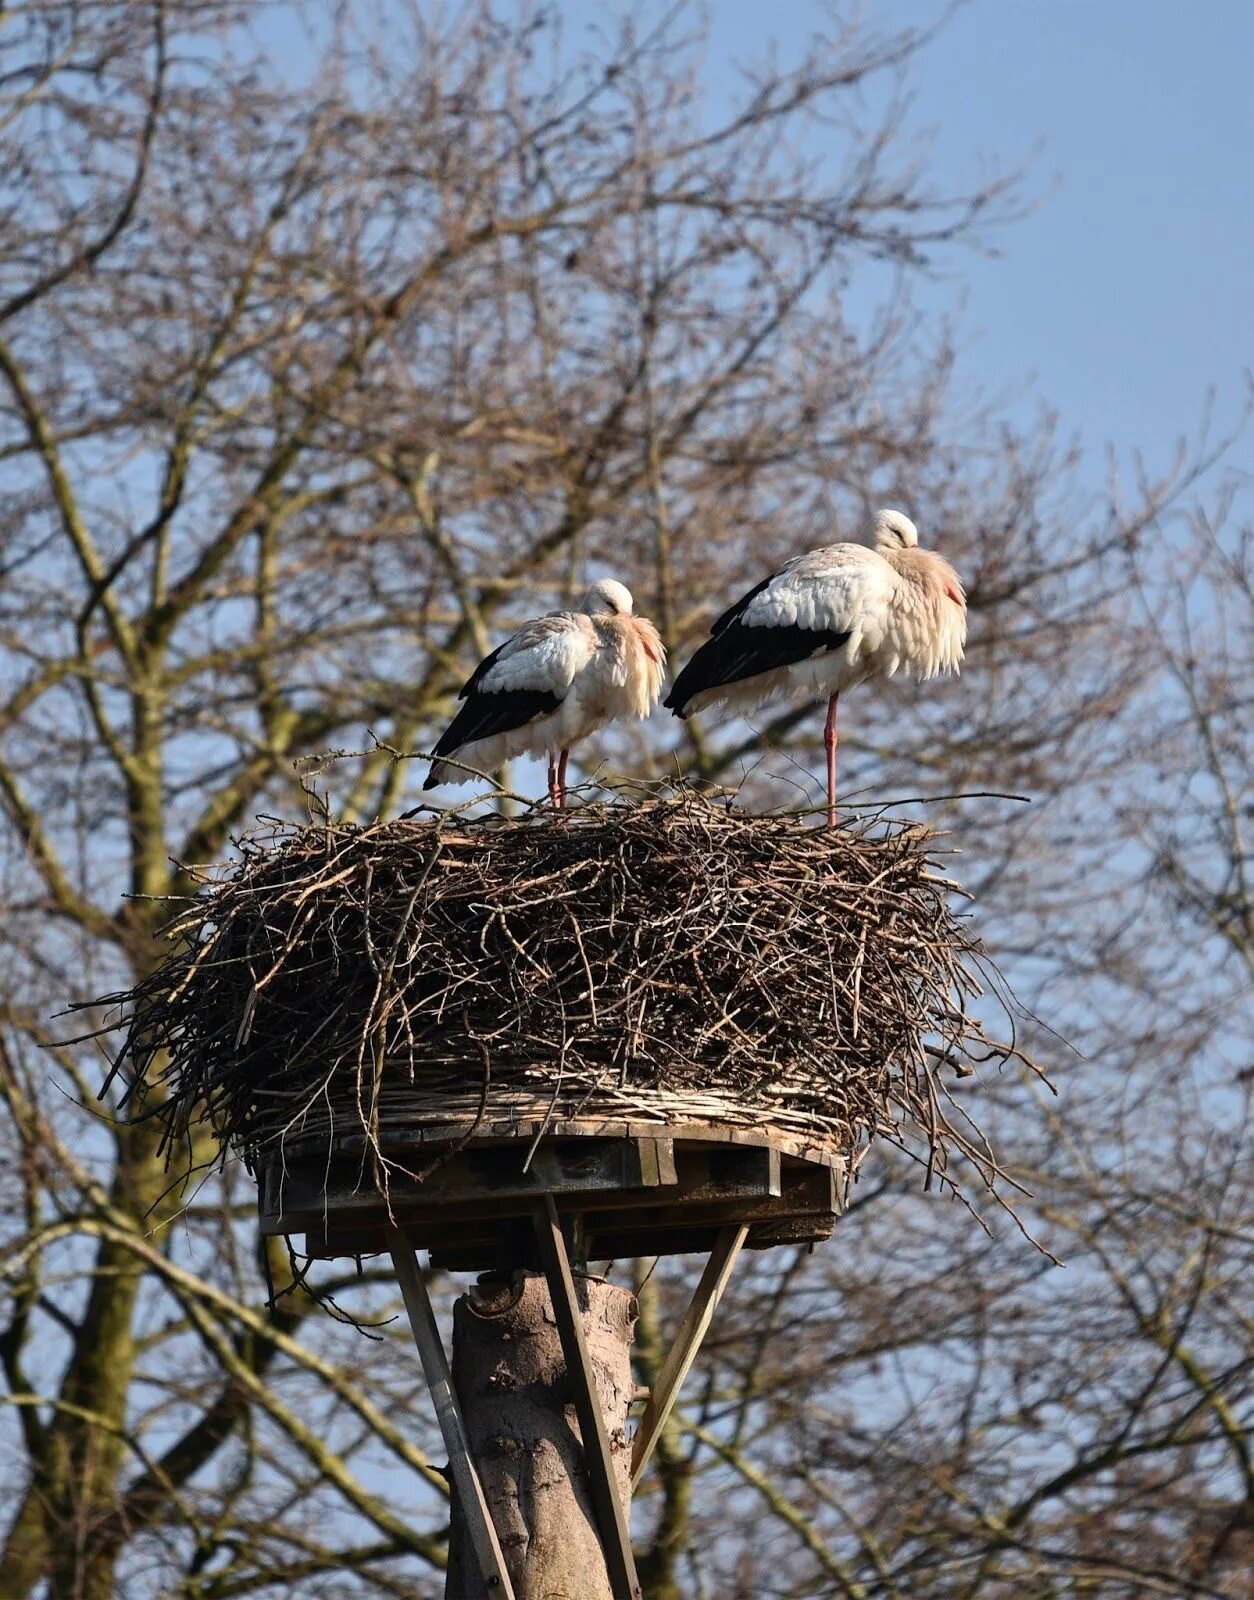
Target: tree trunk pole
519 1412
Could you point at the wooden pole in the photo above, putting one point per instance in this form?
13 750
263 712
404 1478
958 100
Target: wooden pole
694 1327
466 1486
519 1404
611 1505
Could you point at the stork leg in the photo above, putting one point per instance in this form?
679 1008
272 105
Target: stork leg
561 779
553 798
829 744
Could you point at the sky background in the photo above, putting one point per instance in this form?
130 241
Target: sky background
1126 295
1123 300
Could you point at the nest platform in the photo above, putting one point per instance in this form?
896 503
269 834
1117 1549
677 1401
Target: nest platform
670 1017
621 1189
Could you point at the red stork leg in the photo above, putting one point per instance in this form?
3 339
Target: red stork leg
561 779
829 744
553 799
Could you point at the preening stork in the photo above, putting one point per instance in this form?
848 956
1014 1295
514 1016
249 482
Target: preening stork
828 620
557 680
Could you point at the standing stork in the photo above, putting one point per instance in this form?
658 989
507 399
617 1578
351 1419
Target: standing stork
557 680
828 620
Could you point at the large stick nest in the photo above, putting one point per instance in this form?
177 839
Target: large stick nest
670 961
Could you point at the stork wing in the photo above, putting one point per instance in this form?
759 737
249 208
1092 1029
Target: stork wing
525 678
813 604
825 591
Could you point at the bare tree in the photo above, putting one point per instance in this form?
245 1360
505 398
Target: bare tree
928 1409
315 374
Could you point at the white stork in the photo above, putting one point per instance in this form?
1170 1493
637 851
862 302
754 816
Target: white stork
557 680
828 620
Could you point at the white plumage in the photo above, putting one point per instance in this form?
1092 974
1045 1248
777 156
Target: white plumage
828 620
557 680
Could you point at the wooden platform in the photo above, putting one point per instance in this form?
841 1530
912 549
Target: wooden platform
621 1189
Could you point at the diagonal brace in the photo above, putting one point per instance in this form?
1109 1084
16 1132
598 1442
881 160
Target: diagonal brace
612 1523
693 1328
466 1485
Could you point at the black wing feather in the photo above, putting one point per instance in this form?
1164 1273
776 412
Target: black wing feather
736 651
488 712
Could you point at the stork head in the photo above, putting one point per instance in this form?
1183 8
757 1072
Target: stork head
608 597
893 530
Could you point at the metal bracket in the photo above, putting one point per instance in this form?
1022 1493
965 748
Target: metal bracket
466 1484
607 1503
693 1328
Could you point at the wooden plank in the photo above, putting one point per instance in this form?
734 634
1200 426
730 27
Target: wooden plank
706 1175
657 1160
427 1139
693 1328
308 1192
295 1196
485 1255
611 1514
628 1223
696 1176
698 1240
792 1230
435 1367
806 1191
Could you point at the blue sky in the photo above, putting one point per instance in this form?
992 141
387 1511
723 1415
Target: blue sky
1124 297
1127 293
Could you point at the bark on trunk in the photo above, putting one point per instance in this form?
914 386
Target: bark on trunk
511 1380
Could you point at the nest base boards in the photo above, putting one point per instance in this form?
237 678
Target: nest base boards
621 1189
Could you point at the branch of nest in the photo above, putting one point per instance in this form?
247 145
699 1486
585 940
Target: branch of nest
669 960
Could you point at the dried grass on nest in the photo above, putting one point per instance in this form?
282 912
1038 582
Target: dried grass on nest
673 960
